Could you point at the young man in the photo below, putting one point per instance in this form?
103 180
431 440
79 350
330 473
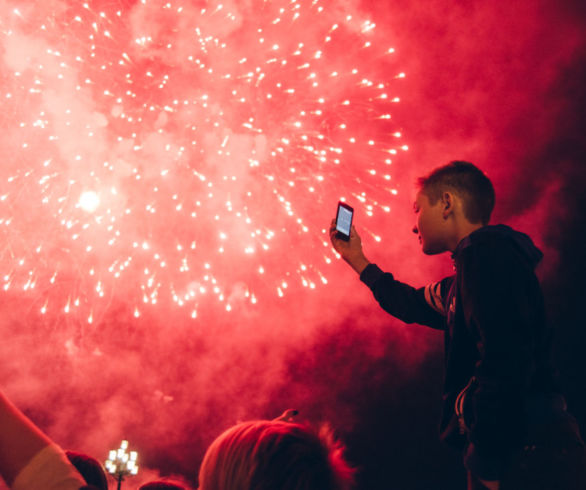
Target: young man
501 403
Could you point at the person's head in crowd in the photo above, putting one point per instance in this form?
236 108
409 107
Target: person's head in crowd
164 484
275 455
89 468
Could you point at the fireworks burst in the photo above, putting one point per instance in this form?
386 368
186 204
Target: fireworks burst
165 153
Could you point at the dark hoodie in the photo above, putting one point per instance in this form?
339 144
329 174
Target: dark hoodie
497 341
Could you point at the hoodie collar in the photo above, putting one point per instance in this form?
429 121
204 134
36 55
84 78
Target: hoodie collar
521 240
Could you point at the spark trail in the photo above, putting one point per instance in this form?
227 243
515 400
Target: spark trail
161 153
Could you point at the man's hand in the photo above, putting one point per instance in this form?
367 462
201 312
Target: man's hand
351 250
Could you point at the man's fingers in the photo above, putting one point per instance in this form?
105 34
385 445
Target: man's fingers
333 230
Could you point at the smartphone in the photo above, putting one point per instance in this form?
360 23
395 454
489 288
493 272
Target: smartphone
344 220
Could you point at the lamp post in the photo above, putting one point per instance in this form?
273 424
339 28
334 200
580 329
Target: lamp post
121 463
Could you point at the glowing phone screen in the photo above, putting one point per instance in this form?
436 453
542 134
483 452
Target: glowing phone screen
344 220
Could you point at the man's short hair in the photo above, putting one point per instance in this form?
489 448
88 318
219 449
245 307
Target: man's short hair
274 455
468 182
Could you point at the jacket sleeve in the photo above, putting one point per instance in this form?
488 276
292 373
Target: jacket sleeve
502 303
411 305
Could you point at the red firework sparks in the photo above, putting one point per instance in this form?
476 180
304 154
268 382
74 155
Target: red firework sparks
166 153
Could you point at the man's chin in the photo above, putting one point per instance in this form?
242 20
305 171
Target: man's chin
431 251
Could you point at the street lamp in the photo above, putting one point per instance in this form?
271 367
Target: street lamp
121 463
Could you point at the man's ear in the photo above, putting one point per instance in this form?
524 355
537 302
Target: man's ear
447 204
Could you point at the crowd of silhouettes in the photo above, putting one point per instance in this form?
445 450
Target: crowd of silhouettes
256 455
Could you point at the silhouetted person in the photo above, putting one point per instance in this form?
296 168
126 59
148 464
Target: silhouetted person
162 485
274 455
502 406
89 468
